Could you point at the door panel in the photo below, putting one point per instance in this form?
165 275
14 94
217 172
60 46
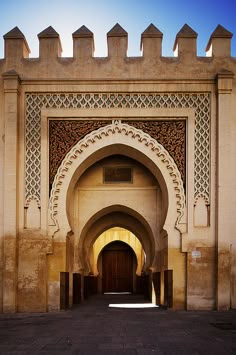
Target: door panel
117 270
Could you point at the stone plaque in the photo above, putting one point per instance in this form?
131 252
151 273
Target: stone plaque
117 174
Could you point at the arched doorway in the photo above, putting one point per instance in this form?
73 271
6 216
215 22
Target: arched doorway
133 205
118 267
116 234
157 204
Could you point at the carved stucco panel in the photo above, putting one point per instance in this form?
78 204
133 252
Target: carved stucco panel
118 132
35 102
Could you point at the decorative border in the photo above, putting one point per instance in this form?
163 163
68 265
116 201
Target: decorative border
35 102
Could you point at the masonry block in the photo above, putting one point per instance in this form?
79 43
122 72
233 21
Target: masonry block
151 42
219 44
16 46
49 43
185 42
83 43
117 41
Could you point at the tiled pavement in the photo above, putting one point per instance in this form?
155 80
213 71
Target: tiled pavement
95 328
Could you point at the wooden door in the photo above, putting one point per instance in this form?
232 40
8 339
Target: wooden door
117 268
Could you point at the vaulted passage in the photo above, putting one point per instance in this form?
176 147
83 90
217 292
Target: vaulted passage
120 217
129 202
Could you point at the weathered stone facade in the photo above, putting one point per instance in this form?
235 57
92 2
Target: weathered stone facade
171 121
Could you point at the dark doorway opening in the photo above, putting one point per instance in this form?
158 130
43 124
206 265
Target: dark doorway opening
118 267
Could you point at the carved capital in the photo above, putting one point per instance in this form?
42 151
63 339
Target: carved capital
225 81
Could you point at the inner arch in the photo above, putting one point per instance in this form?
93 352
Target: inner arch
129 153
119 216
121 235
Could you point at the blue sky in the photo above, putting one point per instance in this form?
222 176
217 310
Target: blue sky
66 16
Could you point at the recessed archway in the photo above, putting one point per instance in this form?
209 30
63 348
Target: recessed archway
121 235
115 215
117 138
97 206
159 226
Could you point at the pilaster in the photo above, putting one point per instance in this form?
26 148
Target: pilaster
11 92
224 202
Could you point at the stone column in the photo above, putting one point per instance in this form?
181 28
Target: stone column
224 218
11 92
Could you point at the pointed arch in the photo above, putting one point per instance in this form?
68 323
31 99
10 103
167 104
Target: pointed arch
123 137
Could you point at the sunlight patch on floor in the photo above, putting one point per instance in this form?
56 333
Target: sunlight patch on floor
117 293
132 305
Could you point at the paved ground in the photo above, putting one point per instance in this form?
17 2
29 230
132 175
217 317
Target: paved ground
94 328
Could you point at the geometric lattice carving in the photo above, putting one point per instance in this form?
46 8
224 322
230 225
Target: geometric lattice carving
35 102
202 150
32 151
63 135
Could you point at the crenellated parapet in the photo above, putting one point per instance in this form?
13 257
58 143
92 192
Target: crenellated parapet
219 44
150 65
